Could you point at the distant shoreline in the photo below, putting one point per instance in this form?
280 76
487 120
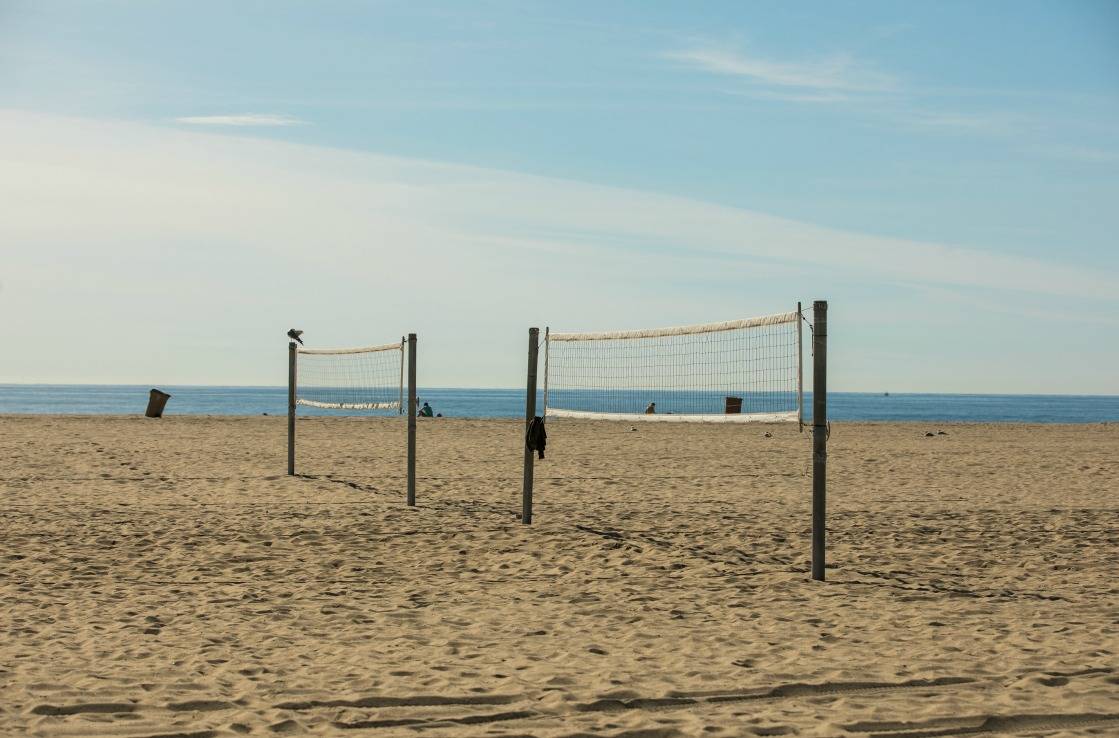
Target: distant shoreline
846 407
277 387
923 425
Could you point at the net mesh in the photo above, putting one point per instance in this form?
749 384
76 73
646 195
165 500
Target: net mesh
738 371
368 378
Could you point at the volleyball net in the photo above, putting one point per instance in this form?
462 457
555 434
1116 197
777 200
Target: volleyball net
361 378
737 371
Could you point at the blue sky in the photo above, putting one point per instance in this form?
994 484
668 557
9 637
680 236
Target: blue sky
945 173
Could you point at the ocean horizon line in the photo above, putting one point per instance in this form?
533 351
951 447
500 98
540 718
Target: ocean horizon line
872 393
509 402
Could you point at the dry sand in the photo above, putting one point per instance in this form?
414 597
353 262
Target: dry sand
164 577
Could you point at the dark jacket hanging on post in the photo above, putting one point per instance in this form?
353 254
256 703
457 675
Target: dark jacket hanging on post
536 438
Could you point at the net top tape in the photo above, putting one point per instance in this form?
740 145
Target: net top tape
773 417
349 405
683 330
356 350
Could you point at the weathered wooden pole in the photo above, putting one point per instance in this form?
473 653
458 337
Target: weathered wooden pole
530 413
819 434
412 419
292 353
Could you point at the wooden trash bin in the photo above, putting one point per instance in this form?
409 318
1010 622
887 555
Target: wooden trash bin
157 400
734 405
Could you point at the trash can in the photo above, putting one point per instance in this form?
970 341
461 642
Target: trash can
734 405
156 402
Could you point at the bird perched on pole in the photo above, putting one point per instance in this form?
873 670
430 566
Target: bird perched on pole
295 335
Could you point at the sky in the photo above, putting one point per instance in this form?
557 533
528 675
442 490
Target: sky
181 182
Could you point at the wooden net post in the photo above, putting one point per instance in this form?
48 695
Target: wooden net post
819 434
292 354
530 413
412 419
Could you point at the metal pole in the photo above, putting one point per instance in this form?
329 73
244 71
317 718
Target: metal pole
292 353
547 344
412 419
819 434
530 413
800 368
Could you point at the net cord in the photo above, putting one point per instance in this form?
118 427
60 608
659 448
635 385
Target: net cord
682 330
356 350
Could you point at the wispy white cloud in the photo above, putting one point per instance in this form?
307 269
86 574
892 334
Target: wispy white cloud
1022 307
837 73
809 96
840 80
258 120
890 30
1086 154
282 234
951 121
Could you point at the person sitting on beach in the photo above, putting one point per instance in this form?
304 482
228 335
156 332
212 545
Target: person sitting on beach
652 409
426 411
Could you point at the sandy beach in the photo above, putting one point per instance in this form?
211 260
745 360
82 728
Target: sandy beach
165 578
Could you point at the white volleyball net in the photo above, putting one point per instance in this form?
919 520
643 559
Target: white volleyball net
737 371
362 378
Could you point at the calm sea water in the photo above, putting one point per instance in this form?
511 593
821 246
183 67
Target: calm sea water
509 403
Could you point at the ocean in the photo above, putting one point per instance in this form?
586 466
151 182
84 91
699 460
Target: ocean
509 403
